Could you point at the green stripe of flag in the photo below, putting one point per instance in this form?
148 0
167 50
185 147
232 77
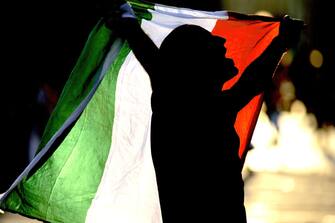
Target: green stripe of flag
81 79
141 9
58 184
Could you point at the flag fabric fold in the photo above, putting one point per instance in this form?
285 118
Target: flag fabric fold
94 160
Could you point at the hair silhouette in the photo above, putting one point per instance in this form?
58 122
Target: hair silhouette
190 57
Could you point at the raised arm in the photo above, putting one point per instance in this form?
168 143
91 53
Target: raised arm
257 77
123 21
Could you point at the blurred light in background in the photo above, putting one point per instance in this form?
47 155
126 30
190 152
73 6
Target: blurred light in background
328 219
316 58
287 58
264 13
287 94
295 8
294 147
290 172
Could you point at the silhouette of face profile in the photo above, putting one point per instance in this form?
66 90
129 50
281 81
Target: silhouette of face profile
196 59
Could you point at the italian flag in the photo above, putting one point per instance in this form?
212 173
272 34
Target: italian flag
94 162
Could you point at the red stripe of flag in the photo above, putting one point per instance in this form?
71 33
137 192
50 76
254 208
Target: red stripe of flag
246 38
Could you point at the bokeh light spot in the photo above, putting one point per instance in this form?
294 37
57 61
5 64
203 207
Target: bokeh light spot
264 13
287 58
316 58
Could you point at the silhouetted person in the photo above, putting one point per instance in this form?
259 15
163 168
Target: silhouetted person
193 139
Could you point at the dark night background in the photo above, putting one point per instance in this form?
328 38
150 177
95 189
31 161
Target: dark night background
40 43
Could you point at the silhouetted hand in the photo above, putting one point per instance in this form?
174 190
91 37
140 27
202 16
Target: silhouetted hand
290 30
106 7
117 15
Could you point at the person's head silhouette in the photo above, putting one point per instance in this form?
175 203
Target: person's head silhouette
193 58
